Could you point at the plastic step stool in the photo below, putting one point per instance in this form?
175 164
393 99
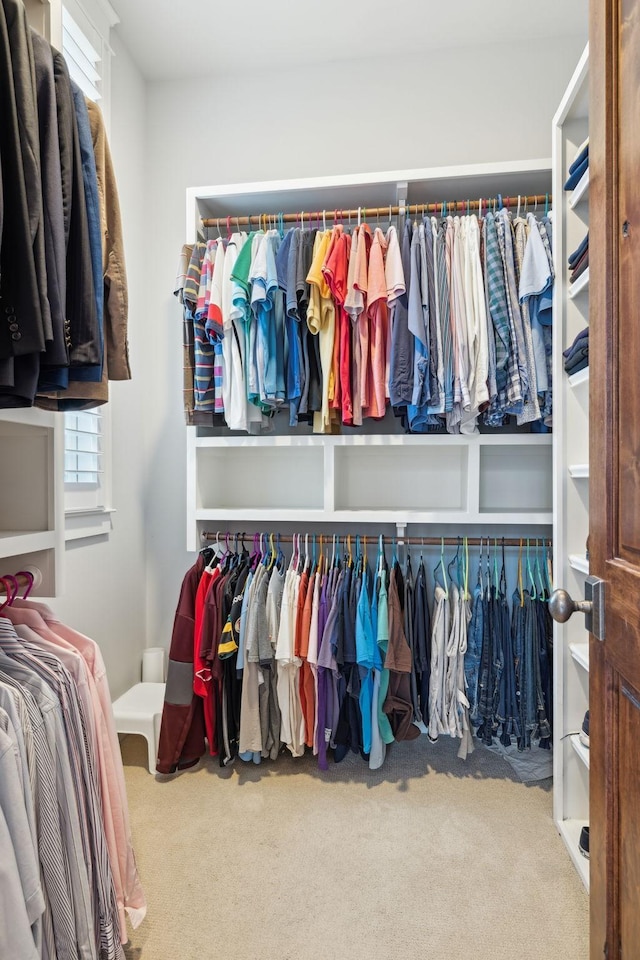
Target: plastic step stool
139 710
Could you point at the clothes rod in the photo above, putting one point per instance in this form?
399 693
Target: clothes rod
29 576
226 535
446 206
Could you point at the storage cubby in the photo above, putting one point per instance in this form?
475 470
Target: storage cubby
424 478
31 515
263 476
515 480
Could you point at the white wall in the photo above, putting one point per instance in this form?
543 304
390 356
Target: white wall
460 106
104 594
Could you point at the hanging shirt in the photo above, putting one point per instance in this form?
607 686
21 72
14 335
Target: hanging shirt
378 320
233 390
335 270
321 319
476 329
354 305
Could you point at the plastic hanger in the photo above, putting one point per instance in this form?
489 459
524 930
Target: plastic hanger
442 566
380 557
530 574
455 559
11 589
520 583
30 578
465 567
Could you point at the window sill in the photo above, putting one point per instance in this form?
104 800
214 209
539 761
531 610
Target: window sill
82 524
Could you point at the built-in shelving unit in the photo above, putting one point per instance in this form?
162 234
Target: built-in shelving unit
362 477
31 516
571 470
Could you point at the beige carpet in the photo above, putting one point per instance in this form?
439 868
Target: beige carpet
431 857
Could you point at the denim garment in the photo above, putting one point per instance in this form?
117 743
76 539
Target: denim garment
422 640
580 249
474 652
576 175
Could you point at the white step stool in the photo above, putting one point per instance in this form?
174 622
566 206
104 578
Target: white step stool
139 710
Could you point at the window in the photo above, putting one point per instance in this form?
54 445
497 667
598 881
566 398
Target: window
83 60
87 452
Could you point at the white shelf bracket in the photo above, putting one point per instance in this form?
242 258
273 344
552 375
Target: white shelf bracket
401 532
402 189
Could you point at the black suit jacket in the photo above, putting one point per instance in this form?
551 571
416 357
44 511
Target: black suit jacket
23 323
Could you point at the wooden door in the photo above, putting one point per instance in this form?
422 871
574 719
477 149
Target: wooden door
614 496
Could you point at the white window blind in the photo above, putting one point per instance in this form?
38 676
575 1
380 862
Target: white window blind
83 448
83 60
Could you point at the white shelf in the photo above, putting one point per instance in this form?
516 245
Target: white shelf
579 471
15 543
581 284
580 653
577 379
380 440
277 515
578 562
570 833
581 191
580 749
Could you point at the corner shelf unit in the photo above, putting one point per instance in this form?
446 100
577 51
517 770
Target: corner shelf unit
489 480
32 515
571 473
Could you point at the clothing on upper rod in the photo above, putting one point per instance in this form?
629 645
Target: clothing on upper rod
69 872
348 650
417 209
63 282
447 321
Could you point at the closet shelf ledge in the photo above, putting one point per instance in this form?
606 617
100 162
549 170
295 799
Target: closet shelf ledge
581 191
580 285
274 515
580 653
16 542
570 833
379 440
579 378
579 471
580 749
579 563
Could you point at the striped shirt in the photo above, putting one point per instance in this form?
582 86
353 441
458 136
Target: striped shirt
55 831
52 672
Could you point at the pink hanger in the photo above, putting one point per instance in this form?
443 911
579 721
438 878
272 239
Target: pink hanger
10 589
30 578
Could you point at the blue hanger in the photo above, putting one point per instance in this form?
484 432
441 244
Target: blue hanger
530 573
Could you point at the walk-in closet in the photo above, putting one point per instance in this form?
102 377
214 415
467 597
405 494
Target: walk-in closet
319 518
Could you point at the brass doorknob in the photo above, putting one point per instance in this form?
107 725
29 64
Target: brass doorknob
562 606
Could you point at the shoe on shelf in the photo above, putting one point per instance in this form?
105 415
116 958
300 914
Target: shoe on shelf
583 843
584 733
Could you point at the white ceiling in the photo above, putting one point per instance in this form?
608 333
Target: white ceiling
171 40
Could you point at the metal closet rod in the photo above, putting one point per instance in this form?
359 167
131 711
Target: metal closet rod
222 535
455 206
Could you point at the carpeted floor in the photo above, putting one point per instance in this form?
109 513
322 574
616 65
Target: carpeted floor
431 857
